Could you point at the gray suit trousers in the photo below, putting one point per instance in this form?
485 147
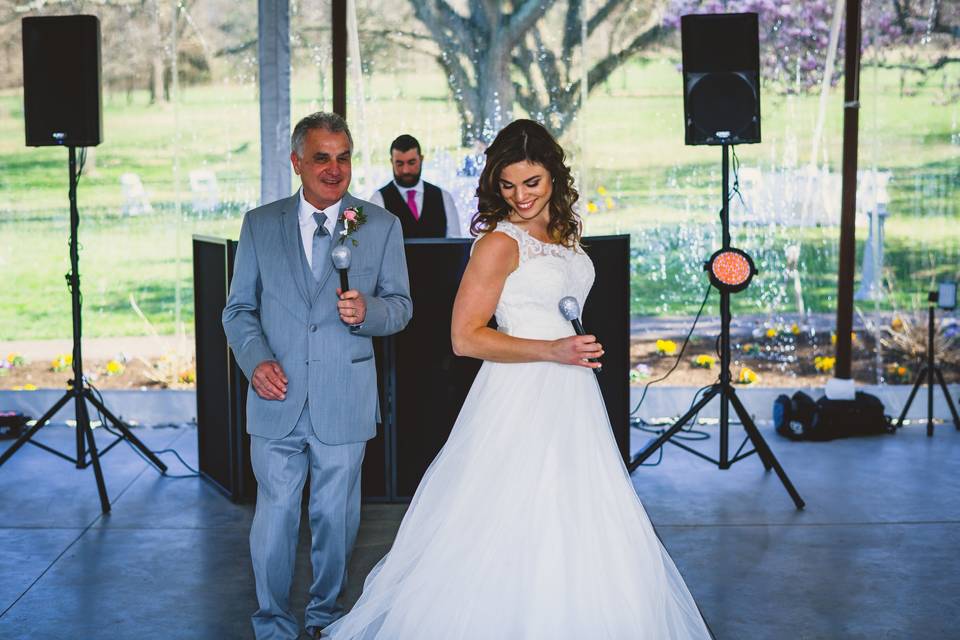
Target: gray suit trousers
282 466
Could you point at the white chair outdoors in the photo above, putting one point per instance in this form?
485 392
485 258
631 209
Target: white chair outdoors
204 189
135 199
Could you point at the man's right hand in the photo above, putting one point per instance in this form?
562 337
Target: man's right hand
269 380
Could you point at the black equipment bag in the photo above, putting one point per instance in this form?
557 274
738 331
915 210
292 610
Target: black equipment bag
793 416
848 418
800 418
12 424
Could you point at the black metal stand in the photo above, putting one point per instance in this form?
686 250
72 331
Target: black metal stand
927 373
724 389
78 390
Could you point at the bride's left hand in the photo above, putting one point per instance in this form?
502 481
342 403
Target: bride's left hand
576 350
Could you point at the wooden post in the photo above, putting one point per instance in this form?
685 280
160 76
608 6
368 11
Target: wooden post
338 26
848 210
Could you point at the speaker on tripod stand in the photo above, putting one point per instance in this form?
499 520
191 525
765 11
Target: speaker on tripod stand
61 97
721 100
945 297
721 78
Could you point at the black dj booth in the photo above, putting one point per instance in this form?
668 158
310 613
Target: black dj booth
422 382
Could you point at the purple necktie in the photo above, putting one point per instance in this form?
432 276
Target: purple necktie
412 203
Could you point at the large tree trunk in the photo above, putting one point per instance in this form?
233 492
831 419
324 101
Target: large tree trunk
157 93
496 95
157 68
480 48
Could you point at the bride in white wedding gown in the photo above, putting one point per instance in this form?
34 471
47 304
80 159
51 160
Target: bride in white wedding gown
526 525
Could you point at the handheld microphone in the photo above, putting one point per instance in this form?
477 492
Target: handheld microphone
341 260
570 309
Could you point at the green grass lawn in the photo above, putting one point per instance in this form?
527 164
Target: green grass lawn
631 142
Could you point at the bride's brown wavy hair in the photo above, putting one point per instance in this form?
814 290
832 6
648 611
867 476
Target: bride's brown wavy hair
527 140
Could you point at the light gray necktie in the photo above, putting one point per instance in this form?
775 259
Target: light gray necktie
321 246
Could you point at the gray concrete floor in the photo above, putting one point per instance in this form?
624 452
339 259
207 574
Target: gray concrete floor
874 555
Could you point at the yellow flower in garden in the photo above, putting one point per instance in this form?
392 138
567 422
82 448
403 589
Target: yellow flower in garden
602 190
824 363
188 376
896 324
62 362
704 361
591 207
795 329
609 202
10 357
747 376
666 347
114 368
771 333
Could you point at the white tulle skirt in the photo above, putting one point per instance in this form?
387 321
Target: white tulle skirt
526 527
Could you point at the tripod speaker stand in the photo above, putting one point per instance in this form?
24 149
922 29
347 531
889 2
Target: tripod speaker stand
927 373
724 387
79 391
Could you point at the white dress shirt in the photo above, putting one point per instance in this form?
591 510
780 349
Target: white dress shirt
449 207
308 225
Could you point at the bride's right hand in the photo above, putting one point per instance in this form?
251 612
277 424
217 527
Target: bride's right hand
576 349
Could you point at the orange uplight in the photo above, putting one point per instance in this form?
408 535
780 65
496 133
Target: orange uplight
730 270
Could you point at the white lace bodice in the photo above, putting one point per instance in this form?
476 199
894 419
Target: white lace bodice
528 306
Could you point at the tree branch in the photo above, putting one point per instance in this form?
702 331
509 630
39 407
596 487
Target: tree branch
571 27
936 65
522 20
483 15
602 14
451 31
602 70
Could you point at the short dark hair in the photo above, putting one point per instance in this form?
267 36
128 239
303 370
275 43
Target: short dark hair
319 120
405 142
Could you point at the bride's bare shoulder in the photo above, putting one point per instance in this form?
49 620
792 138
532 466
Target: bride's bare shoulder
496 248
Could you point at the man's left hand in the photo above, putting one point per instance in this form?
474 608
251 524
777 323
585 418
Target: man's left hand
352 306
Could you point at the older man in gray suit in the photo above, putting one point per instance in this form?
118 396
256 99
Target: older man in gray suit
306 348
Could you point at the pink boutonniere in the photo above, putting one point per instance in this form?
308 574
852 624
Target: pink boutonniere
352 218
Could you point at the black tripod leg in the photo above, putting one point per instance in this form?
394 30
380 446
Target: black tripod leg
753 433
764 449
80 409
669 433
83 426
125 430
913 392
946 393
22 440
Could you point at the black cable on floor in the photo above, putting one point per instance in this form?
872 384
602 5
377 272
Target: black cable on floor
679 355
103 423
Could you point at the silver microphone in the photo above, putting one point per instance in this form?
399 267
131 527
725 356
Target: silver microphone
570 309
341 260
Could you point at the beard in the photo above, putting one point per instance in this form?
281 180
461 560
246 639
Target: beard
407 181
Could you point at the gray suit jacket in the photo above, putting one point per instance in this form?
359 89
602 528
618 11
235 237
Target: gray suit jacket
276 310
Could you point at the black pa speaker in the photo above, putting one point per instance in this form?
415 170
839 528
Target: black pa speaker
721 78
61 81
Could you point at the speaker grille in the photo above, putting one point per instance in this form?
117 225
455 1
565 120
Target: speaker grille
721 106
